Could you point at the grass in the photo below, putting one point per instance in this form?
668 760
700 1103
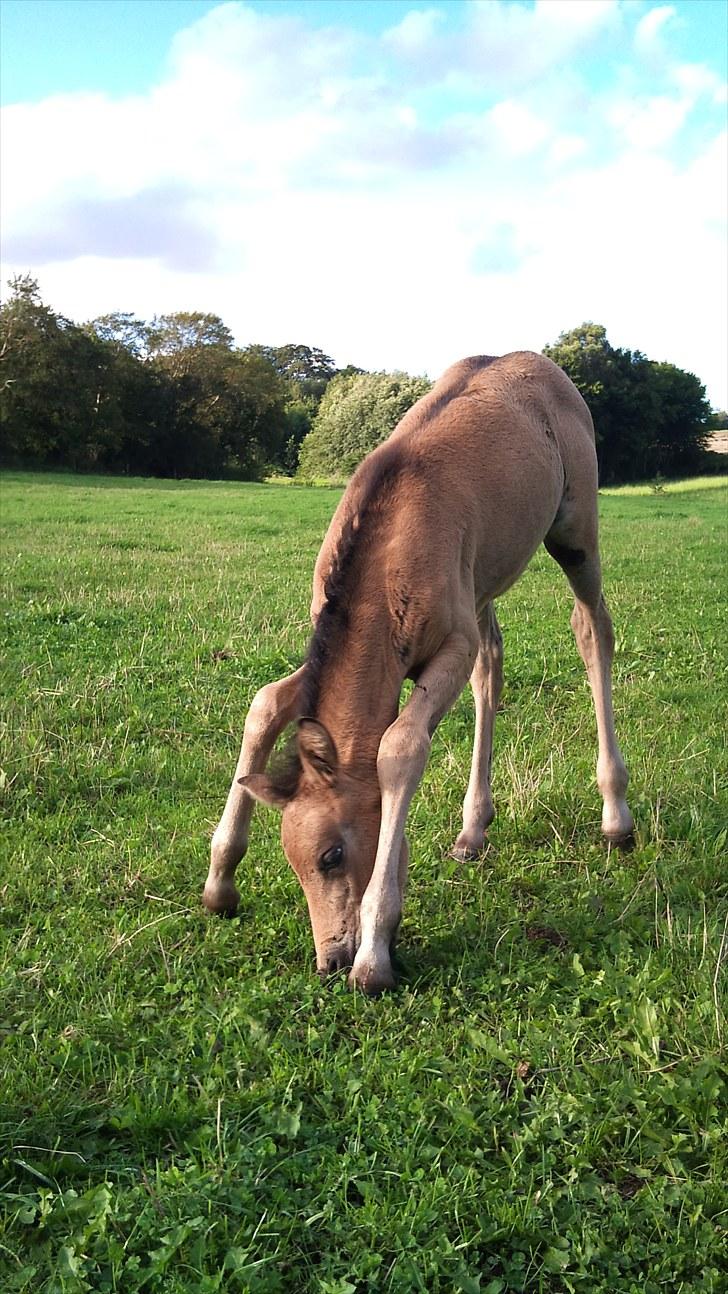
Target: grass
183 1108
662 486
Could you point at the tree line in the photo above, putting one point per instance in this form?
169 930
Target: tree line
172 397
175 397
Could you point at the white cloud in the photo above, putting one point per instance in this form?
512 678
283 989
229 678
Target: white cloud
695 80
514 45
517 129
415 34
503 44
299 182
650 28
567 148
650 123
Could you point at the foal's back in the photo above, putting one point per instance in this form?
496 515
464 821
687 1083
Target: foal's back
470 482
487 418
504 447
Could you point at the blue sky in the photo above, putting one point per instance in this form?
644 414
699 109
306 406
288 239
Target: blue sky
120 46
398 183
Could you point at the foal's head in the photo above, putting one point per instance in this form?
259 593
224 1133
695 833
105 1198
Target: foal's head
329 830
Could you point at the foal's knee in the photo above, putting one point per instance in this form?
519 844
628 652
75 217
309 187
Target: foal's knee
403 752
263 712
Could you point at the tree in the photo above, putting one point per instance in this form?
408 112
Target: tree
307 367
138 396
682 421
605 378
226 415
648 417
170 399
225 409
306 371
124 329
54 388
173 339
257 424
357 413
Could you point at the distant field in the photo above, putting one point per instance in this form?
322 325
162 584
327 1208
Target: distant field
718 442
542 1106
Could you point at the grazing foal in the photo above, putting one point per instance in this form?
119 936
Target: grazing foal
436 523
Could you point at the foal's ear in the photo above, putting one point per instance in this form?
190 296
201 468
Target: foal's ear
263 788
317 750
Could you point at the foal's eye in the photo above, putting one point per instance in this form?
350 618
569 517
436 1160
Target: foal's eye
332 858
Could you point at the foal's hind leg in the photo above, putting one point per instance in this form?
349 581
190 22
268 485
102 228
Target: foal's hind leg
273 707
594 635
486 681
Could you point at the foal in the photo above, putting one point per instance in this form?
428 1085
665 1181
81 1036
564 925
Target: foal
435 524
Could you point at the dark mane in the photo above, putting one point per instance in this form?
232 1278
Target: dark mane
370 482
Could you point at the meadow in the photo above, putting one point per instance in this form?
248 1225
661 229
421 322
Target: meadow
184 1108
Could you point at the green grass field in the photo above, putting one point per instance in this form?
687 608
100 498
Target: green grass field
541 1106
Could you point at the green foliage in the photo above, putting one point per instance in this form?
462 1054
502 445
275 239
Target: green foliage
682 420
130 333
542 1107
56 401
174 397
306 372
300 413
227 413
176 336
358 412
649 418
307 368
170 398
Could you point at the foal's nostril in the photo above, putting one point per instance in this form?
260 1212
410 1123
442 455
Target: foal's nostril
334 964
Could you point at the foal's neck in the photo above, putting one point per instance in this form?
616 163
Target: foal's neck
360 689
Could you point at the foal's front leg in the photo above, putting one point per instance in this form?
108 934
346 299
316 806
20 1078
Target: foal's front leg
274 706
401 761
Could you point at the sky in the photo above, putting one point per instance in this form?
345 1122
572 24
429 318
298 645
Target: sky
398 183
